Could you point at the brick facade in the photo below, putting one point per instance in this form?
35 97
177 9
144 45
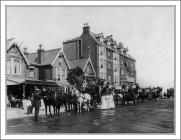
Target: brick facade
103 51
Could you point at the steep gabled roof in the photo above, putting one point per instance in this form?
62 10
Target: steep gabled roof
73 63
11 43
94 37
49 56
61 52
82 63
113 42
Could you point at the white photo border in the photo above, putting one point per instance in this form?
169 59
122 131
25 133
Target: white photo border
83 3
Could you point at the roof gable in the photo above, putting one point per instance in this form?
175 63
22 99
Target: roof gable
14 48
60 60
73 63
89 70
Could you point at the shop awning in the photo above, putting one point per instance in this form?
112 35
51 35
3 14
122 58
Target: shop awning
63 84
39 82
14 81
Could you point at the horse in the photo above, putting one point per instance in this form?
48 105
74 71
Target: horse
170 92
47 99
14 102
70 102
82 99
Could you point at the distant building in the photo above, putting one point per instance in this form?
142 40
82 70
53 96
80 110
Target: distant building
110 59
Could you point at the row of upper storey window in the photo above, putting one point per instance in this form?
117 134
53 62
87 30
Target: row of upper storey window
116 56
129 73
107 43
106 64
103 64
14 66
61 74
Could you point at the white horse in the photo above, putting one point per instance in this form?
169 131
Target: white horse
82 99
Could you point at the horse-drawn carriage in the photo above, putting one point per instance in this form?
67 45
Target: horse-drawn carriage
94 98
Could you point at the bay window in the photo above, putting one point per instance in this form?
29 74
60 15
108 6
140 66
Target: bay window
61 74
14 66
9 66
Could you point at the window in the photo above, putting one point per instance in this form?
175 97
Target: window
9 66
126 64
101 51
105 62
101 63
101 40
64 74
114 56
17 67
31 72
104 75
108 43
122 72
115 67
109 53
109 78
61 74
116 81
14 66
101 75
117 57
109 66
58 74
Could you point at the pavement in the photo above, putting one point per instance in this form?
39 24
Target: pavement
13 113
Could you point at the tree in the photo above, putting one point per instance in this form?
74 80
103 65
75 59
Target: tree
76 77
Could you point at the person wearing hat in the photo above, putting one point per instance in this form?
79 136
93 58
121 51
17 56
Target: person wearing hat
36 102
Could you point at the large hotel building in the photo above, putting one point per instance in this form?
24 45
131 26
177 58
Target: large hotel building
110 59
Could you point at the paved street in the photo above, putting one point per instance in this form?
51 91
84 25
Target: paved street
148 117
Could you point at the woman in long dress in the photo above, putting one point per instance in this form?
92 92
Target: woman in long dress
103 103
111 103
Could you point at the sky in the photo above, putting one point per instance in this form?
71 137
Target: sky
148 32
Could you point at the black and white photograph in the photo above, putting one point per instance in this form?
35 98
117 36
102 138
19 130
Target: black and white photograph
90 69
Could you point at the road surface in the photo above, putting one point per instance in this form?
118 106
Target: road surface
147 117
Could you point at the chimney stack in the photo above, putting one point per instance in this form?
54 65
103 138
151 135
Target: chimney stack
40 54
25 51
86 28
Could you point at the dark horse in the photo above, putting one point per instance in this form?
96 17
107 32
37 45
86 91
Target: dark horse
57 99
52 98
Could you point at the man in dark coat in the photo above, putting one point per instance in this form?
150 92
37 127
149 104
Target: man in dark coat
36 102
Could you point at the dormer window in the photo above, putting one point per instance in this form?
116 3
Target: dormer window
101 40
108 43
126 64
31 72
